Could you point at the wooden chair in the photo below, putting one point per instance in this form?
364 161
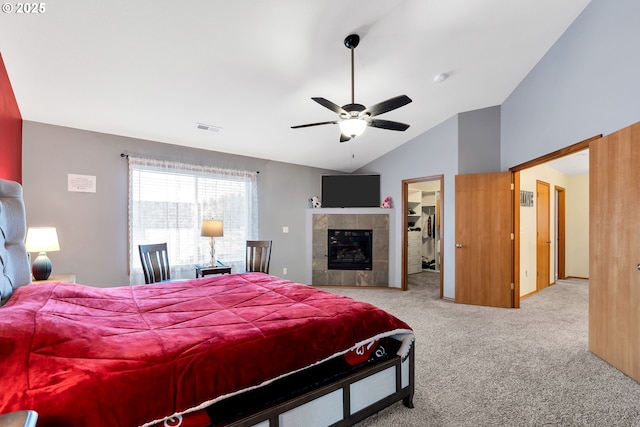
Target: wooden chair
258 255
155 262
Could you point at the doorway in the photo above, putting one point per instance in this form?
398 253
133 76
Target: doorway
569 215
422 259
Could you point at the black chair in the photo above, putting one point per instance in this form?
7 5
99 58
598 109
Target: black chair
258 255
155 262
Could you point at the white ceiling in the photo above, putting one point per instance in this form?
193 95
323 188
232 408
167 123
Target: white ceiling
153 69
573 164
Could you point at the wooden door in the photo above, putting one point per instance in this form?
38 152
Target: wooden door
614 249
484 245
543 239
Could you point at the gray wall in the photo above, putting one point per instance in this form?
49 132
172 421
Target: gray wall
434 152
92 227
466 143
586 84
479 141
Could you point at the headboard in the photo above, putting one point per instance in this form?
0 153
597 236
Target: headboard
14 263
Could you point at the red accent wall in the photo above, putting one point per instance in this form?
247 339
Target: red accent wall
10 130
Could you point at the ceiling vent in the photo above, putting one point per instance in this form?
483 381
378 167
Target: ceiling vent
209 128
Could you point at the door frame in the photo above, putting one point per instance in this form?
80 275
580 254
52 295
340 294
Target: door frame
405 228
560 227
571 149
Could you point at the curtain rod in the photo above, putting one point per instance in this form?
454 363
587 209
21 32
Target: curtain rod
126 156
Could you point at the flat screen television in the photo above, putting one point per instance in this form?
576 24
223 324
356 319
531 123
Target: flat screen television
350 191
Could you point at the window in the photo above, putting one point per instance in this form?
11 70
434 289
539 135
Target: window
169 200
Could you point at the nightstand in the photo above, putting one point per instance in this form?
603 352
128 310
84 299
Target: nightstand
205 270
64 277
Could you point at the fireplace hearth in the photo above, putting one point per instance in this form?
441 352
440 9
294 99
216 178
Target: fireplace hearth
349 249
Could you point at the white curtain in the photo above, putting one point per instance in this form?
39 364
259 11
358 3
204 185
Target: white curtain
169 200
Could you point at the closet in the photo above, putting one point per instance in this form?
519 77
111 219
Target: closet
431 230
423 202
414 234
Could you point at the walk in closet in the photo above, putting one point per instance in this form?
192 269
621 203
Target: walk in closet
424 227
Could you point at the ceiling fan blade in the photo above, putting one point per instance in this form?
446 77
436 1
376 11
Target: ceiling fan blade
344 138
330 105
314 124
388 105
388 124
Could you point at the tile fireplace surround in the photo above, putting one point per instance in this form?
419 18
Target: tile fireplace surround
322 219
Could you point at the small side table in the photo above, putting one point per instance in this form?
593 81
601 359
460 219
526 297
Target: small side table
64 277
205 270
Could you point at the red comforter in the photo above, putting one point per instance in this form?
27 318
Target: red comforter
127 356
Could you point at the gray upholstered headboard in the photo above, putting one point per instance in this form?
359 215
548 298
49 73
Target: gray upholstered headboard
14 263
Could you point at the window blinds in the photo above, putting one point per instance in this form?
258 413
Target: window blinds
169 200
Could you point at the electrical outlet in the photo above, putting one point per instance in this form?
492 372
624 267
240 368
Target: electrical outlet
284 271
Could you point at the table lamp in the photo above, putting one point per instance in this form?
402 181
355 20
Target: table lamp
42 240
212 228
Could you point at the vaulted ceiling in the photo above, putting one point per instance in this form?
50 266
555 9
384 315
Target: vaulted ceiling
156 69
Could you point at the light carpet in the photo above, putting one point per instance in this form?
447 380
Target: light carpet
482 366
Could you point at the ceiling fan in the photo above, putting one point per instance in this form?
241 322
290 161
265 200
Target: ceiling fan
354 118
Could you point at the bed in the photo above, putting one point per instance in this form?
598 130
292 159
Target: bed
243 349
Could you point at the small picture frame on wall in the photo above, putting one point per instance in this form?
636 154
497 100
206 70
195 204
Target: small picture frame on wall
526 198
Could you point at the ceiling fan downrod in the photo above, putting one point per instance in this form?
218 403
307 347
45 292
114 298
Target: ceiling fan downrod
351 42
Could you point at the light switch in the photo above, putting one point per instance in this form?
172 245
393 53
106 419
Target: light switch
285 229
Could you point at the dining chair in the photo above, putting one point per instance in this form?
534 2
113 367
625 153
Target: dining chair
258 255
155 262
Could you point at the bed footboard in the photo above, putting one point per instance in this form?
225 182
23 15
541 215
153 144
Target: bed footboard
346 401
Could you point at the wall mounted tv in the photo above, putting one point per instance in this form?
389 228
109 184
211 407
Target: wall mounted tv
350 191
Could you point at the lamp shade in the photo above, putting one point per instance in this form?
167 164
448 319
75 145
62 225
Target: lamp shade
352 127
42 239
212 228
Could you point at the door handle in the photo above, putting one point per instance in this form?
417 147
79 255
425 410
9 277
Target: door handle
638 266
459 245
548 241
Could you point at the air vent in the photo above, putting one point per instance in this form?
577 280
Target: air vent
209 128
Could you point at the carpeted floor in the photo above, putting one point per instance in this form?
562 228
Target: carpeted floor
481 366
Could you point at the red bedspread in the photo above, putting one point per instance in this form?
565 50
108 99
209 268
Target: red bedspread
127 356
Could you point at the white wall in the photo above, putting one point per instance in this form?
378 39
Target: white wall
577 226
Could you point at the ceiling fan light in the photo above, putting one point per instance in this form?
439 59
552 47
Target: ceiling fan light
352 127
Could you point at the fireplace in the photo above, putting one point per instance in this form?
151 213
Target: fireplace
350 249
374 220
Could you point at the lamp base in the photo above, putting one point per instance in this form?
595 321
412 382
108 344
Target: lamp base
41 267
213 252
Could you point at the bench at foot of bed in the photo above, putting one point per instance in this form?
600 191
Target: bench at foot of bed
344 402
